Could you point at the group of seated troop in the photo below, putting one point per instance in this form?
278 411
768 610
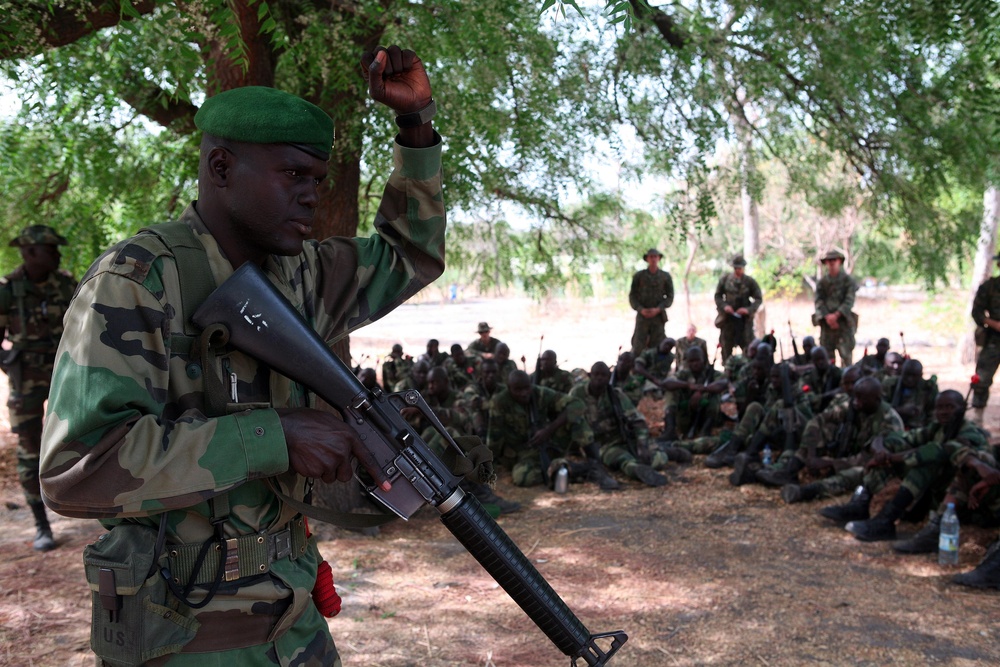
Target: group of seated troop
803 425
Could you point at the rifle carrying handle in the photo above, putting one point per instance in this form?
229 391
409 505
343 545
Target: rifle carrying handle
469 522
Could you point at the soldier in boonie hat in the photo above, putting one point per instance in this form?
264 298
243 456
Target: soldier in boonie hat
652 251
831 255
483 327
37 235
739 261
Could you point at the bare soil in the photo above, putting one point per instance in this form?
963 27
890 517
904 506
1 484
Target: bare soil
697 572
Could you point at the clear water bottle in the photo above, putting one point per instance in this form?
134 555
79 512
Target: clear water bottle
562 480
948 541
765 457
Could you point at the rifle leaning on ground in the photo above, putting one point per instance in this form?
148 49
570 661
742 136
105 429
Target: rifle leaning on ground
625 429
249 313
795 346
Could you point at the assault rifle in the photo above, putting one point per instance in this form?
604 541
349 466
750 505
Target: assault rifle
788 408
250 314
795 346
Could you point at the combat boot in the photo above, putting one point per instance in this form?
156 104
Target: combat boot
599 474
487 496
745 467
782 475
925 541
883 525
43 535
986 574
856 509
793 493
725 455
677 454
648 476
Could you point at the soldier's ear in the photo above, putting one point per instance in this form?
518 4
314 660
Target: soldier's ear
220 164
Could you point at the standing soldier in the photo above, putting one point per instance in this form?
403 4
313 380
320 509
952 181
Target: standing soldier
834 301
986 313
737 298
33 300
651 294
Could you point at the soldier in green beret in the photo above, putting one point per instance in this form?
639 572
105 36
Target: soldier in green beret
834 309
652 292
737 298
140 436
33 299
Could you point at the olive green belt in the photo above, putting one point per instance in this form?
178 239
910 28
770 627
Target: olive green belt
246 556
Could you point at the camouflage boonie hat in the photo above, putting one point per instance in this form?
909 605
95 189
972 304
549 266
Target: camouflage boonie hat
483 327
38 235
652 251
833 254
739 261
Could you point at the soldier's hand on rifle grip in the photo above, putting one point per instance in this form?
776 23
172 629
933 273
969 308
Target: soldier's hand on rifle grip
321 446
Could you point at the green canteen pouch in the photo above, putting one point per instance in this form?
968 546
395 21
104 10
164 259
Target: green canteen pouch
135 618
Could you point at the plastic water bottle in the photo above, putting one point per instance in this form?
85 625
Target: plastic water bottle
766 456
948 541
562 480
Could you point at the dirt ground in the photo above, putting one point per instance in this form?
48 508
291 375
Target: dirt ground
697 572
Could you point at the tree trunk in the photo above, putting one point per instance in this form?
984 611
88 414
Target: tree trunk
751 216
982 268
693 244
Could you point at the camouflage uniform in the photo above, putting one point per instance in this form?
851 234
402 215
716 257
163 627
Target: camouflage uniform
478 348
560 380
765 420
475 402
679 401
921 398
650 290
616 453
820 385
986 304
394 370
127 439
633 386
734 365
658 365
836 294
31 314
453 416
737 293
460 375
511 425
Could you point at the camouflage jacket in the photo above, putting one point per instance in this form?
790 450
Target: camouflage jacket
738 293
126 437
817 385
683 345
604 423
632 386
735 365
659 365
928 445
916 406
394 370
651 290
844 431
681 397
452 413
478 348
475 402
511 424
560 380
836 295
460 375
35 321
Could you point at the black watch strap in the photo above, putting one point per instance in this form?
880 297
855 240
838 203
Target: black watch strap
417 118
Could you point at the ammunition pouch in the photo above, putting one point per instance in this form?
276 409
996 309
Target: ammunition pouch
134 618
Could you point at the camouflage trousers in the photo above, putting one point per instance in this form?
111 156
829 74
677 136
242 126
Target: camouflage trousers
987 514
735 333
617 456
29 388
931 478
701 416
307 644
986 367
838 341
648 332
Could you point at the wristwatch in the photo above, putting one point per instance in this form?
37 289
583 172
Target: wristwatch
417 118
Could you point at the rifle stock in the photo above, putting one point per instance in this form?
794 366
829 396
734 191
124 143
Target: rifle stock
258 320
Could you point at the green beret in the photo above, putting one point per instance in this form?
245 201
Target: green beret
37 235
261 115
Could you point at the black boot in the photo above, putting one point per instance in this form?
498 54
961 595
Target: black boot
676 454
925 541
854 510
745 467
780 476
43 536
597 472
883 525
487 496
724 455
669 426
986 574
793 493
648 476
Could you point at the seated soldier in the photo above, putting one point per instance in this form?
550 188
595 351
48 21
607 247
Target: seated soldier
461 369
655 365
530 426
762 352
987 573
548 374
446 405
911 395
625 378
368 378
927 460
873 364
483 347
693 398
477 395
837 443
619 430
434 356
804 358
735 364
506 365
893 365
822 379
396 367
417 379
753 385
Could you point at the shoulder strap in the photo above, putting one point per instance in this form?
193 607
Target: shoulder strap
196 283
